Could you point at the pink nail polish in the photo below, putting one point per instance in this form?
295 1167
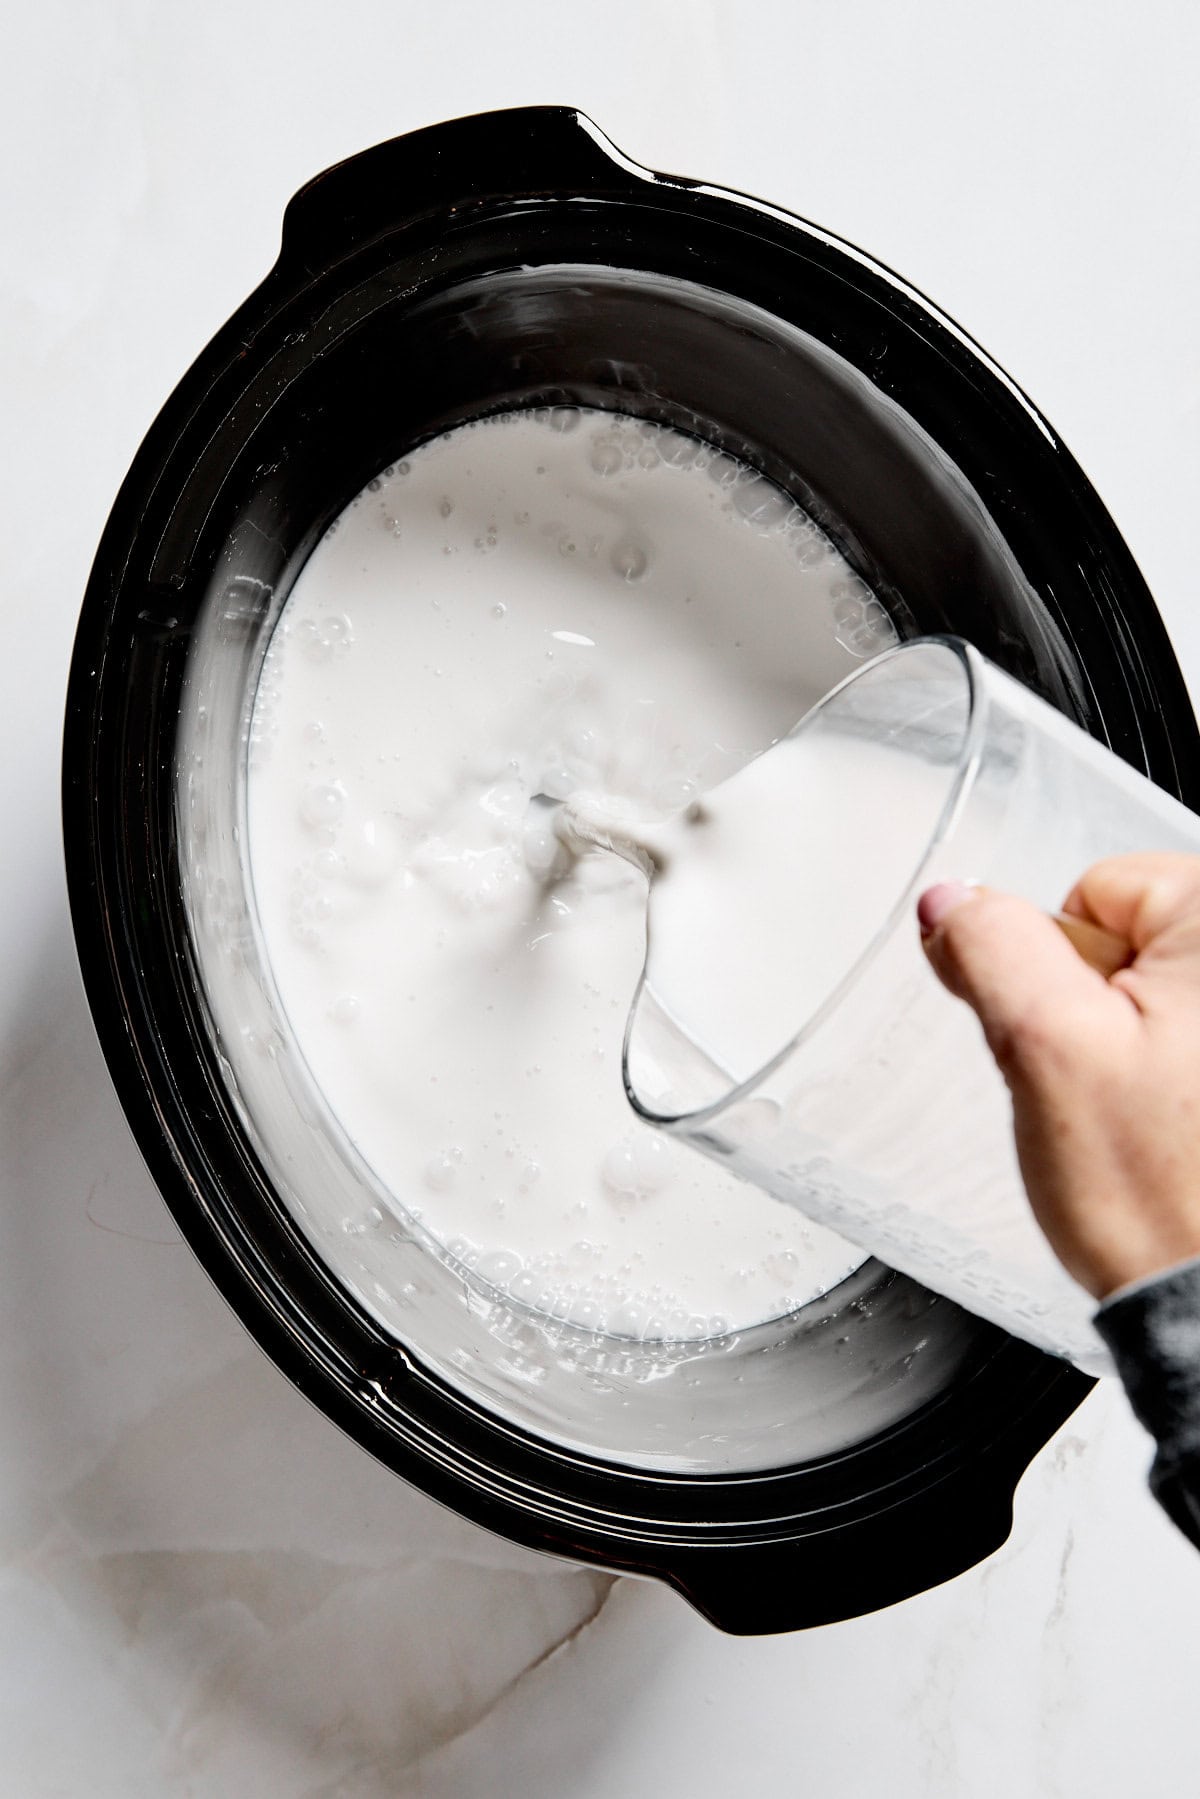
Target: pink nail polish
936 904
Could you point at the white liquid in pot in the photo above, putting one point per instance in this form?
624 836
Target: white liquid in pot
531 605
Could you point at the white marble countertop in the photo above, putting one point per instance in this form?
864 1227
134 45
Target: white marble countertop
204 1589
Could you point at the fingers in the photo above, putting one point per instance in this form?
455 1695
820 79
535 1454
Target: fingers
1037 1000
1102 1073
1138 897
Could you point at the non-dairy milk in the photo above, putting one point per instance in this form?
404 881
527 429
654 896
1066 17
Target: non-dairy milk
765 895
523 608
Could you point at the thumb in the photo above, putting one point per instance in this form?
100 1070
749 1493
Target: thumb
1033 994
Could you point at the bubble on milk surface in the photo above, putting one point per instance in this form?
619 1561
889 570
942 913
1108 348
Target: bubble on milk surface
629 558
760 503
606 456
321 639
322 804
637 1168
499 1267
443 1169
862 626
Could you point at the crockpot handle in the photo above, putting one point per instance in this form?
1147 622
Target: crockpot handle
767 1589
526 151
853 1568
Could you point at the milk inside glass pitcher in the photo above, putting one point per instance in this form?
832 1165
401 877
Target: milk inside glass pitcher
787 1025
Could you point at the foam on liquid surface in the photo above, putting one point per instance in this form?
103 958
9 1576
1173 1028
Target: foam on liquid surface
530 606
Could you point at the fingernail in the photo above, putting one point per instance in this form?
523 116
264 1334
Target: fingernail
936 904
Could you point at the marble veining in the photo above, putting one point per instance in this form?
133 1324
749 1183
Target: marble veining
205 1591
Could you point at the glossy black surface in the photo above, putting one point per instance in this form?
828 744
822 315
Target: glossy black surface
422 284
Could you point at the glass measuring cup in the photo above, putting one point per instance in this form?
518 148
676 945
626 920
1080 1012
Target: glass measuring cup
786 1024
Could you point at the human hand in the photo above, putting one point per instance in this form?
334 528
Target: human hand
1104 1074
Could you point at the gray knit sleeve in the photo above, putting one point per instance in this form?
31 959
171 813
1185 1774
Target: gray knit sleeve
1153 1331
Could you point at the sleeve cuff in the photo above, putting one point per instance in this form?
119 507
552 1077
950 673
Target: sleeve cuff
1148 1280
1152 1328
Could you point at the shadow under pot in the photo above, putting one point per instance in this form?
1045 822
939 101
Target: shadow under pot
827 1463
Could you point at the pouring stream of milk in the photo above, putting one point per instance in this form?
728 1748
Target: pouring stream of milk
766 892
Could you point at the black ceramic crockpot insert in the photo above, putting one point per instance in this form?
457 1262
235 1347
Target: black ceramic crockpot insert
391 316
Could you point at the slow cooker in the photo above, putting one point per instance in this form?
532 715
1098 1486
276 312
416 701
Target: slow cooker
821 1465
